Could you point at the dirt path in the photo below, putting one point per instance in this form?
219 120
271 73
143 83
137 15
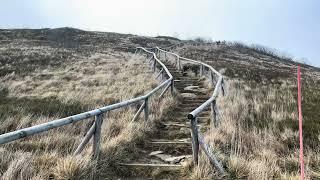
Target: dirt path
165 151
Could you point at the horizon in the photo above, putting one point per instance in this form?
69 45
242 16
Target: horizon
287 26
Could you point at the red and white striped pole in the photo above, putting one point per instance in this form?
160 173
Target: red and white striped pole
300 125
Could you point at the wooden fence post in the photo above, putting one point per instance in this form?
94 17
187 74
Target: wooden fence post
159 73
172 87
146 109
214 114
97 135
212 78
195 140
179 63
212 158
154 65
85 140
222 88
136 116
201 70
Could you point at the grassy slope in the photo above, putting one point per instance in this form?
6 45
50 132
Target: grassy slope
263 72
52 73
265 97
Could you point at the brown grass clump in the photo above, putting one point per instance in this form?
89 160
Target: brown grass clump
73 168
52 93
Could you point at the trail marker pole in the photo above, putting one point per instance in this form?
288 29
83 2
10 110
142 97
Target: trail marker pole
300 125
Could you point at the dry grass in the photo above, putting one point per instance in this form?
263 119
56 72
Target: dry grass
253 140
99 80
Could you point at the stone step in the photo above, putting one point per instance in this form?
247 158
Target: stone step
168 158
175 149
193 92
195 100
190 109
183 133
191 104
178 124
186 123
168 142
137 164
187 80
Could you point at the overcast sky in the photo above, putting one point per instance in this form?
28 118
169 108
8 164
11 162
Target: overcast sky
291 26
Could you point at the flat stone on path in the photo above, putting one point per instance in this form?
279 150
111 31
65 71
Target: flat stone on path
155 153
175 160
192 88
172 159
188 95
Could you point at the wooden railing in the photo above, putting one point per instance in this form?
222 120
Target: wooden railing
197 139
95 129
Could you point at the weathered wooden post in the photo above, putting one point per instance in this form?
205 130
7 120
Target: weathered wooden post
212 158
85 140
214 114
195 140
163 75
201 70
172 87
136 116
179 63
146 109
222 87
154 65
97 135
212 78
160 72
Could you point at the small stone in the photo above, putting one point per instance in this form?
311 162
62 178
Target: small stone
192 88
155 153
175 160
163 157
188 95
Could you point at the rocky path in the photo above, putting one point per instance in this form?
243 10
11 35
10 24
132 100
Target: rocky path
167 149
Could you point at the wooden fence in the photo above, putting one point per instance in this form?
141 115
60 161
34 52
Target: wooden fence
95 129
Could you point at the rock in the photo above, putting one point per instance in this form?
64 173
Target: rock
185 140
163 157
155 153
185 130
188 95
192 88
175 160
172 159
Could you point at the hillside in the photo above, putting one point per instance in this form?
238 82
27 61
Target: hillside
258 136
47 74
